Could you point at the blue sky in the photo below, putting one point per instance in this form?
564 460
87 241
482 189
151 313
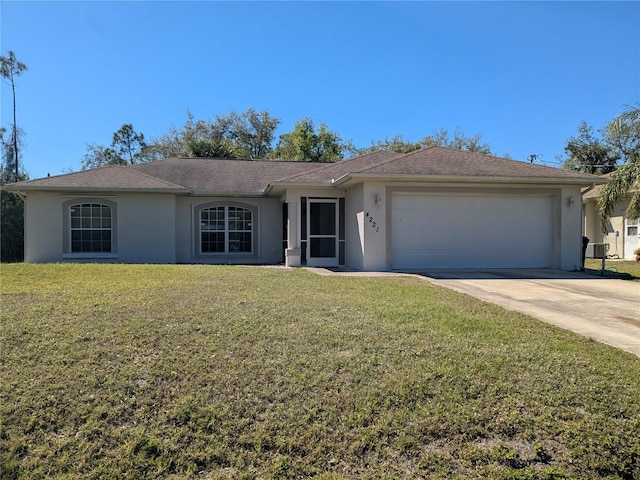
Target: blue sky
523 74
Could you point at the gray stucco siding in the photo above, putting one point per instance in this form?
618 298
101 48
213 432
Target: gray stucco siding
266 230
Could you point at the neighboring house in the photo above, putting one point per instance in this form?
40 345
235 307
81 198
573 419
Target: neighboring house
622 234
432 208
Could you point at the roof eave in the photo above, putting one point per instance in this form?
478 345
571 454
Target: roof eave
471 179
285 184
89 190
208 193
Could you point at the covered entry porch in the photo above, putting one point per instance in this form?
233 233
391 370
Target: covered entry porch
314 231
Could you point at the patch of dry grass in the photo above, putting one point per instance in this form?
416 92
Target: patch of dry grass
120 371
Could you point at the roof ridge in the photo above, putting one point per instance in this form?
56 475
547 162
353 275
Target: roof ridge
385 161
134 174
324 166
491 156
67 174
242 160
108 167
218 159
459 150
157 179
343 162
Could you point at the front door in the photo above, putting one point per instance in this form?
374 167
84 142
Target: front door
631 236
322 228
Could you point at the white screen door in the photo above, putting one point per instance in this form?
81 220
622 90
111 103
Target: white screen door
322 228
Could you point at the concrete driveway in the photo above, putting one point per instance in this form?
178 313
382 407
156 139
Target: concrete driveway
607 310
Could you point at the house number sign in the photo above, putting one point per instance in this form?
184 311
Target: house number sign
372 222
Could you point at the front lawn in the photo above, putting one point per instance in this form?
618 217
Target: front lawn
116 371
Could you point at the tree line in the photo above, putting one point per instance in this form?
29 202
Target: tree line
250 135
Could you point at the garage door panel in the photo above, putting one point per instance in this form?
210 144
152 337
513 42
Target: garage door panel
422 259
425 259
437 231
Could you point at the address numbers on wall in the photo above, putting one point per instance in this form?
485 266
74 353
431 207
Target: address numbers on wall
372 223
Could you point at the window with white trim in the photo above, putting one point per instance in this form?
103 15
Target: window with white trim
632 226
226 229
90 228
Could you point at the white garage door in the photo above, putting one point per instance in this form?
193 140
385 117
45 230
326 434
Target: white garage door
470 231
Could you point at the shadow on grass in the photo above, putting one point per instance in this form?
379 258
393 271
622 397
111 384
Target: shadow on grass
610 272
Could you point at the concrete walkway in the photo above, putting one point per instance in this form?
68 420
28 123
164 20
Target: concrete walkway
604 309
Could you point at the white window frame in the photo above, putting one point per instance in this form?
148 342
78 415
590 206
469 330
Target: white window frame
228 252
68 229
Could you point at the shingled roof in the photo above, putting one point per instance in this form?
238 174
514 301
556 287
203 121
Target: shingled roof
326 173
453 162
109 178
439 162
223 176
246 177
594 192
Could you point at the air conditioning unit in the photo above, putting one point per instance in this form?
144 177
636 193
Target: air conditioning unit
597 250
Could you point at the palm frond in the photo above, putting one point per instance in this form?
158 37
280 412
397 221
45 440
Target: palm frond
625 182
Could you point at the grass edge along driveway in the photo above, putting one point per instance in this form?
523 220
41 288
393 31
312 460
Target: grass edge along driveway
142 371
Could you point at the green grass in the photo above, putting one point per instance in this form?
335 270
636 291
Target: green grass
622 269
116 371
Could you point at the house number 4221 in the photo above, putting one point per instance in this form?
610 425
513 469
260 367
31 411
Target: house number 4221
372 222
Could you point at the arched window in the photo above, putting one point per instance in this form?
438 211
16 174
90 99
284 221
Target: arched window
90 228
226 229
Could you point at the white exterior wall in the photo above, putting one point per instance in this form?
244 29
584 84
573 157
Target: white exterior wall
568 244
144 230
592 222
366 227
616 233
267 225
43 235
354 226
374 227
